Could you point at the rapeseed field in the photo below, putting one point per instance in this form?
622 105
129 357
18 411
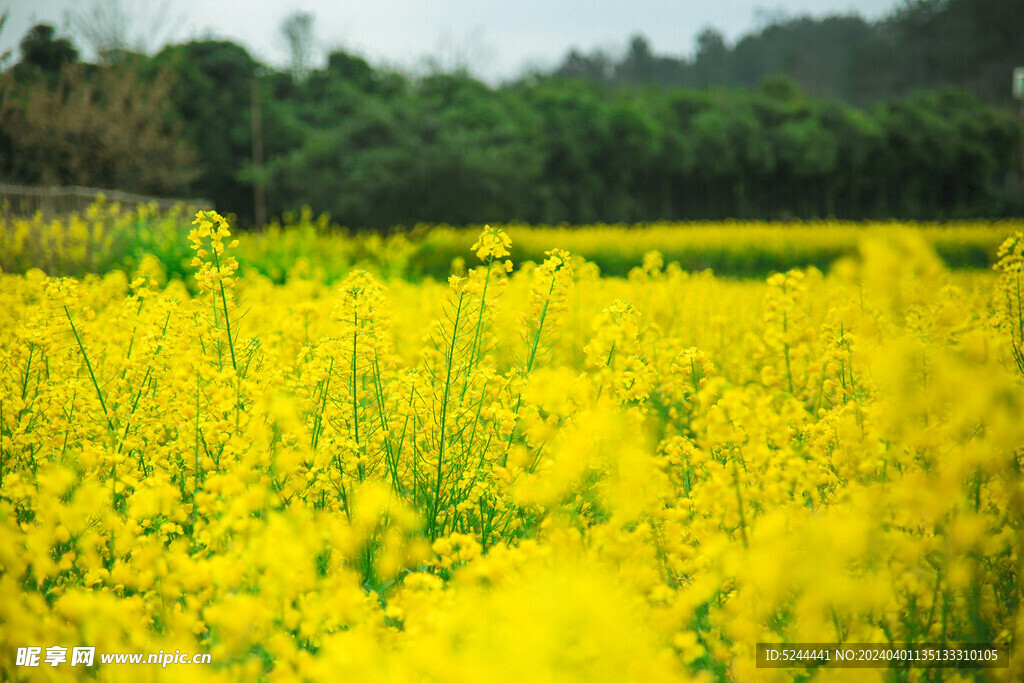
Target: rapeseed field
529 471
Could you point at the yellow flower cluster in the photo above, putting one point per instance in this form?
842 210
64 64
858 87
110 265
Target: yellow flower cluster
493 244
219 269
542 474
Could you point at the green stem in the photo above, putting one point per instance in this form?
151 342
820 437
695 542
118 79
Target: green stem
739 503
318 421
2 458
131 342
479 326
353 388
389 449
88 365
529 362
449 362
195 488
227 318
28 368
540 327
607 365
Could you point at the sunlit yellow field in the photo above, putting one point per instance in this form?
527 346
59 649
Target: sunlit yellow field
528 473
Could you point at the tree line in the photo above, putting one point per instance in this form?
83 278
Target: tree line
378 148
969 44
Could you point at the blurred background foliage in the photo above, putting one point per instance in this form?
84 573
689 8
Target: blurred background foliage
908 117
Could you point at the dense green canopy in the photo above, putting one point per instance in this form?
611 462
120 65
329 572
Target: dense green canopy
806 118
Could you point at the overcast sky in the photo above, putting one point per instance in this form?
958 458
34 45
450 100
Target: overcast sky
500 38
